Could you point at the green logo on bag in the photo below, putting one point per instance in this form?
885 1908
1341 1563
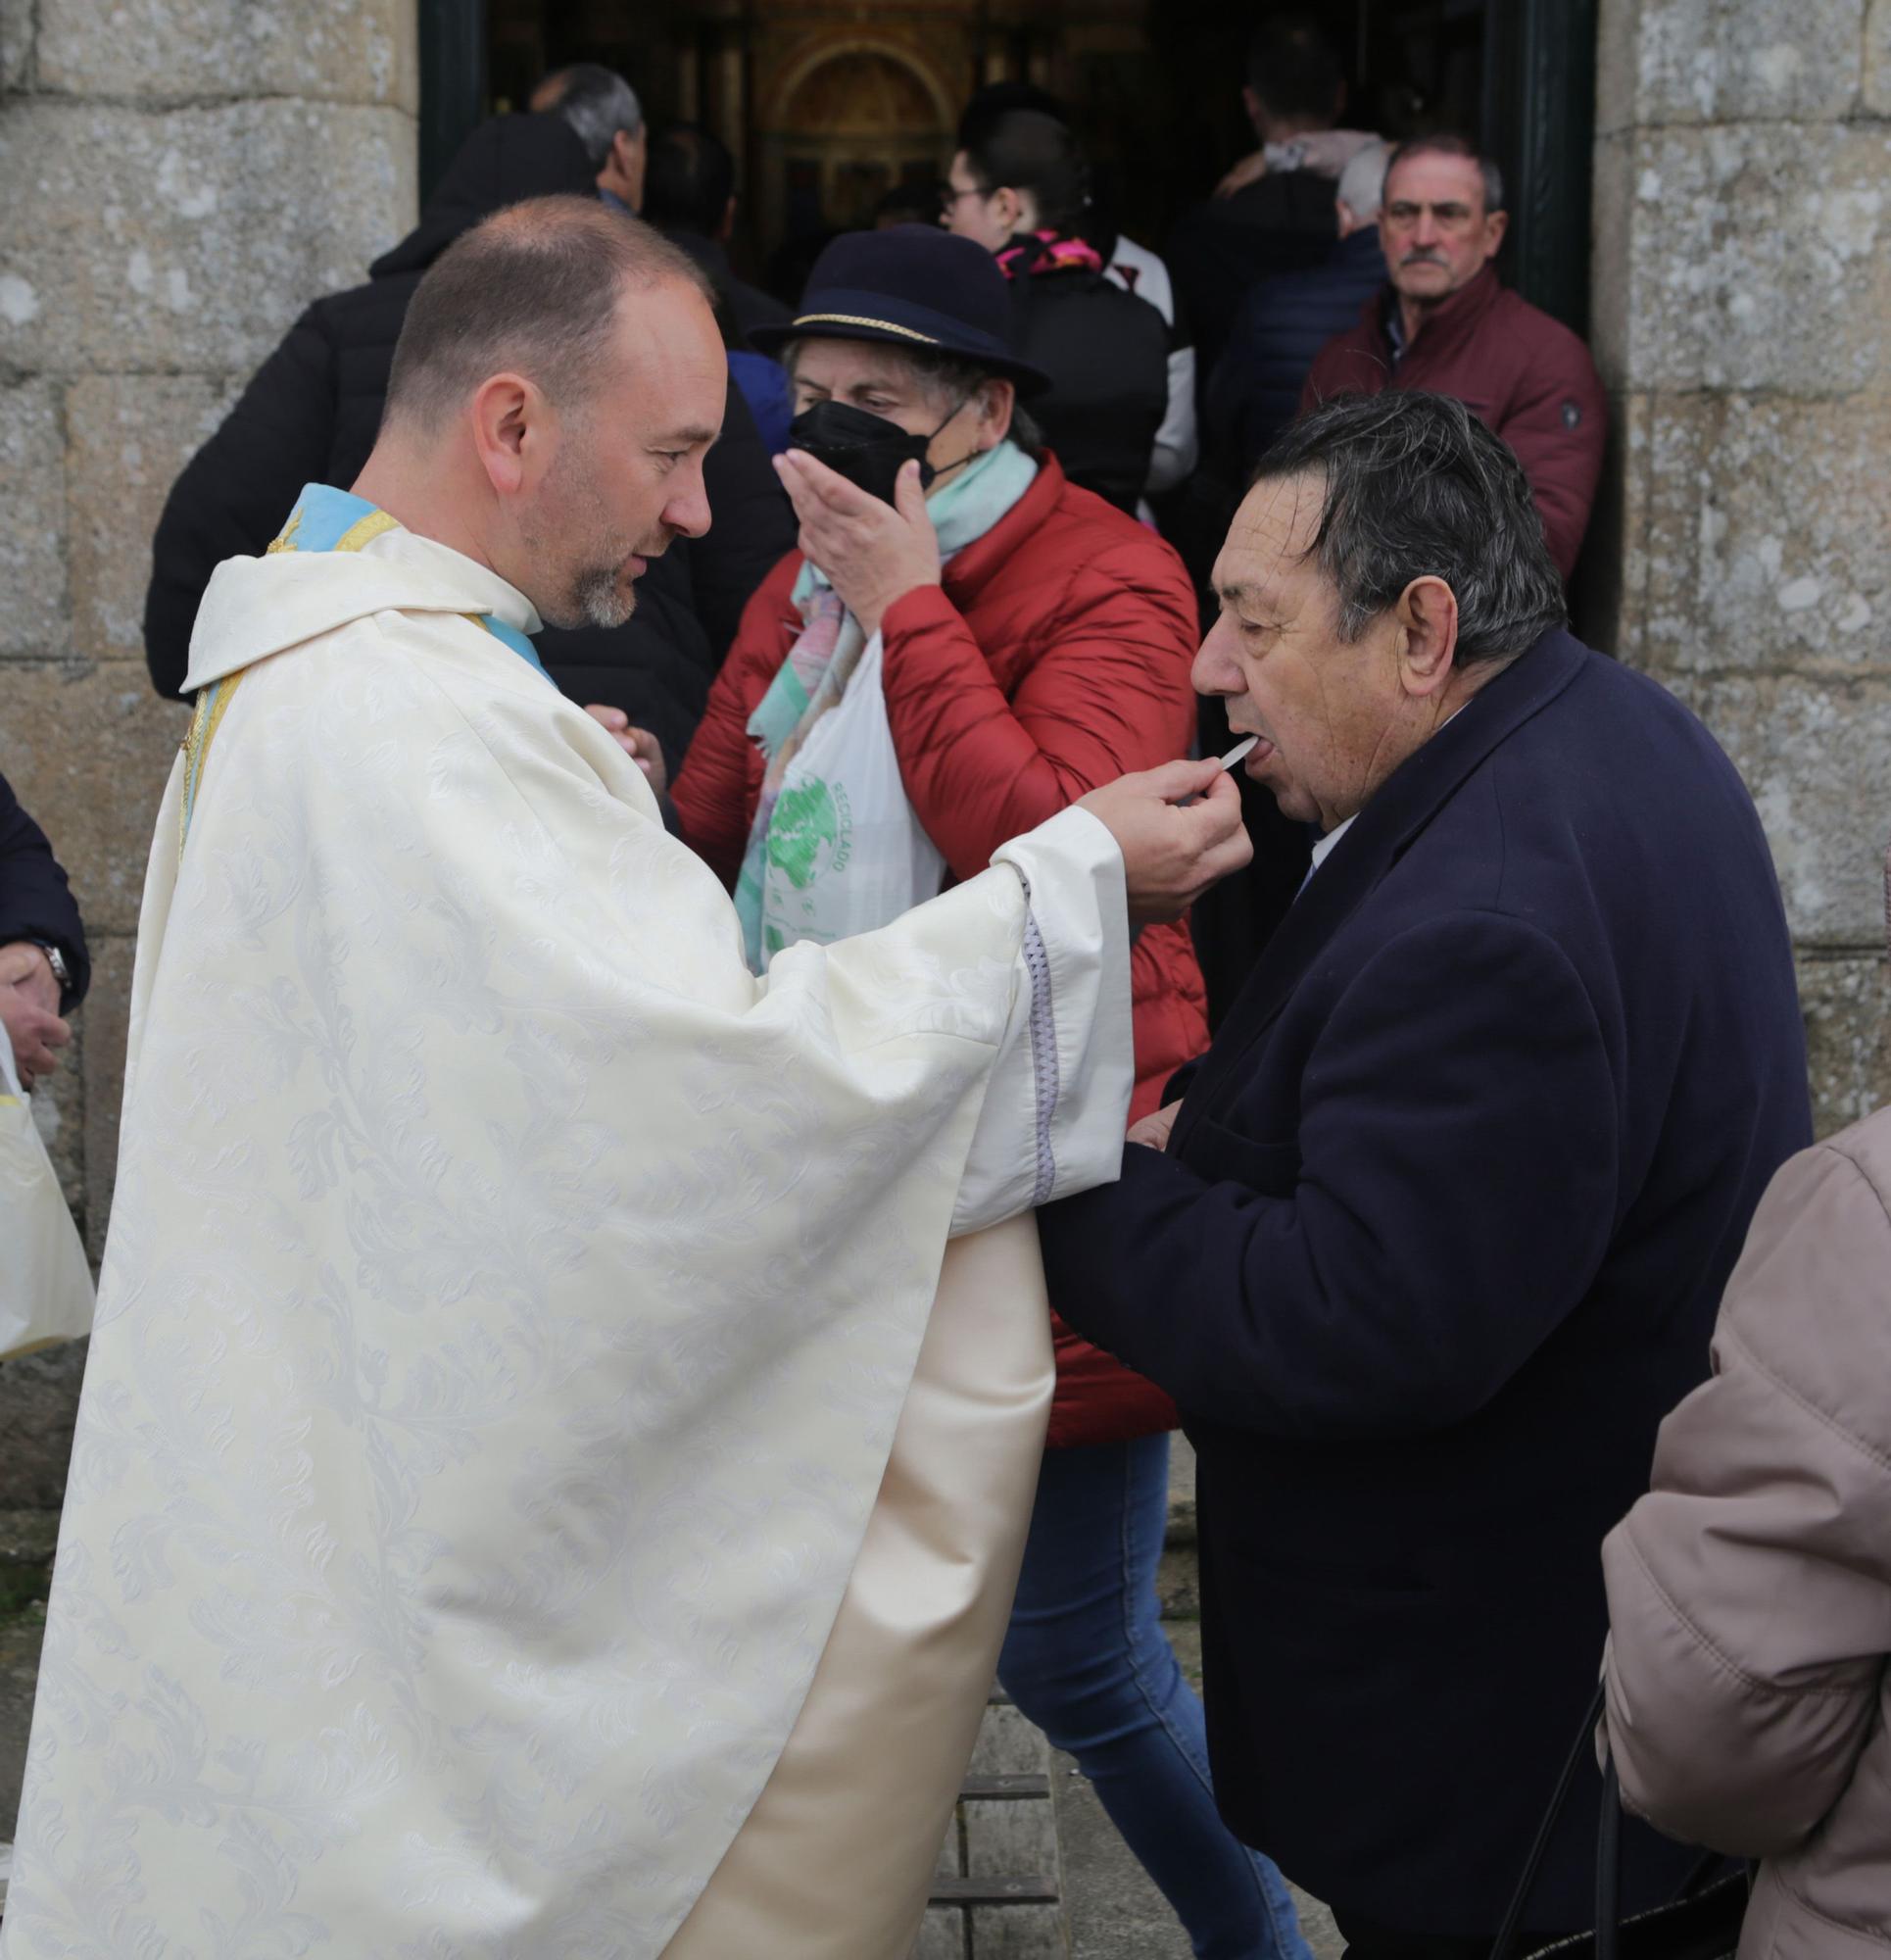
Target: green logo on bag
809 832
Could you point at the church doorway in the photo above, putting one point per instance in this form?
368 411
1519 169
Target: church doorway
854 124
829 106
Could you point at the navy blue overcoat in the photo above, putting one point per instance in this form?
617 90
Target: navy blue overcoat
1438 1242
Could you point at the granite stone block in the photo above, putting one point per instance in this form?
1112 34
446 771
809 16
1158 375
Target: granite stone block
1816 752
1877 58
1725 61
18 24
1766 538
1847 1003
35 620
1617 94
361 51
87 750
129 435
1757 256
1613 217
141 240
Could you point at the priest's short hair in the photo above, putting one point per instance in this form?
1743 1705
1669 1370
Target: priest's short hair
535 290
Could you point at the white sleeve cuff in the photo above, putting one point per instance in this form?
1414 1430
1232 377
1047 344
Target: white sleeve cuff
1057 1105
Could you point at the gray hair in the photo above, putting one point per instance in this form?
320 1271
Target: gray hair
1362 183
1444 145
1415 486
949 380
598 103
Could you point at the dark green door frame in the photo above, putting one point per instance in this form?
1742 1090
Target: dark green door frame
452 81
1539 124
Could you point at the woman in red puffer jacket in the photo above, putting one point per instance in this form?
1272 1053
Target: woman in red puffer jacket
1052 657
1050 654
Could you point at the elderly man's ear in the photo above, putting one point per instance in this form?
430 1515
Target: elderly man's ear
1427 614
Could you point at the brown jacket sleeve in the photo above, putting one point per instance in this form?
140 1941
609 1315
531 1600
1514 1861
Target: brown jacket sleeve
1556 423
1346 364
1750 1590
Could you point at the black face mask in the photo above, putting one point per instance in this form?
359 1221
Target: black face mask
865 447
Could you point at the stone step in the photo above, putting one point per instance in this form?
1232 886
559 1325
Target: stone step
997 1889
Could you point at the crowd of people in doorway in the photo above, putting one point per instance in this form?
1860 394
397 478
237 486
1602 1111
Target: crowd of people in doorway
1452 1114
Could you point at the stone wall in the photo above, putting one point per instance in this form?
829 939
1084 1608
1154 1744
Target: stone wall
1742 286
181 176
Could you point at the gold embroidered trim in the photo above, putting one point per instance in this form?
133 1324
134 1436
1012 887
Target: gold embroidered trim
364 531
213 704
860 320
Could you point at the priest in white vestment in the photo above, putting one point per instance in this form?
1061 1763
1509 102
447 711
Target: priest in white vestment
525 1499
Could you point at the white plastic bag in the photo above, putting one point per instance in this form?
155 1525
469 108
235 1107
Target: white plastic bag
45 1285
846 852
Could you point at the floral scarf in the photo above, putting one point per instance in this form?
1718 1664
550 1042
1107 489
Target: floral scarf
821 662
1048 252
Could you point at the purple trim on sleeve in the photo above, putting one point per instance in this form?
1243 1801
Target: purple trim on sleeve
1043 1051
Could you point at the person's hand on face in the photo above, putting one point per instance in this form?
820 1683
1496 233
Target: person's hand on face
24 965
1172 850
639 743
871 551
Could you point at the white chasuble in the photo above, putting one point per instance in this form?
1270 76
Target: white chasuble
525 1500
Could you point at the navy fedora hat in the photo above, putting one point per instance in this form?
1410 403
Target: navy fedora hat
914 286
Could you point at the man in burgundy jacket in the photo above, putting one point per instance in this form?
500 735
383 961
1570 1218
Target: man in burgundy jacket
1445 323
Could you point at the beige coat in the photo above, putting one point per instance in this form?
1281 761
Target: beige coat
1750 1590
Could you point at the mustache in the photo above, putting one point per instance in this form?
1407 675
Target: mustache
1423 256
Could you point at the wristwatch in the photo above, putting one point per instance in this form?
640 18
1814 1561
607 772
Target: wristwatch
56 960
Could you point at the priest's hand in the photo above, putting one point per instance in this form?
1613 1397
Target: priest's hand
871 551
34 1032
639 743
1173 849
1153 1130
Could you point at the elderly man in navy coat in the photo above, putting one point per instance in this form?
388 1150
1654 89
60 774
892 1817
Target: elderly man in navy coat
1432 1237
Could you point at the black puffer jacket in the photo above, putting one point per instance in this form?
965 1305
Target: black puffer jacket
1219 250
1282 325
1108 355
314 409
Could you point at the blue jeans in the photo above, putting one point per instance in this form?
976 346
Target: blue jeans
1086 1658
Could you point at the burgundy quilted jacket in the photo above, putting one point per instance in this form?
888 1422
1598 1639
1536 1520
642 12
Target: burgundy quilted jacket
1517 370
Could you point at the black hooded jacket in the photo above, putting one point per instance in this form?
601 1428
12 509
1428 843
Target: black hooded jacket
314 409
1108 355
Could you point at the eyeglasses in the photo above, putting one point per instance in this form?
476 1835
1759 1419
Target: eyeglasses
948 197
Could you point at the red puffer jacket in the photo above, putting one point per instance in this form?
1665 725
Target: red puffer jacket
1054 657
